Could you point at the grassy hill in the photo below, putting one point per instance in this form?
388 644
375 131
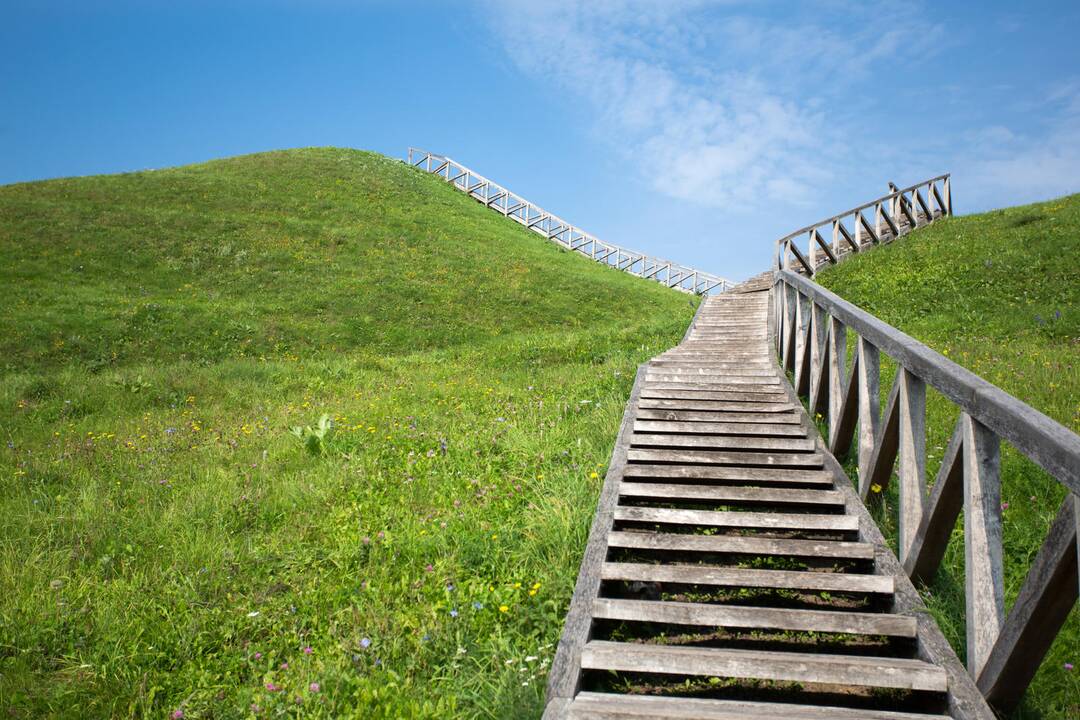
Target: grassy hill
997 293
178 531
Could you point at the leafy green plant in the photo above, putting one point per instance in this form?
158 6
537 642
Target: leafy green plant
315 439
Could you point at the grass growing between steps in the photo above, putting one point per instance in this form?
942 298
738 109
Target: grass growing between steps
998 294
181 532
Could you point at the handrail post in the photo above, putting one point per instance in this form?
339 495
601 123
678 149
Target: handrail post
983 568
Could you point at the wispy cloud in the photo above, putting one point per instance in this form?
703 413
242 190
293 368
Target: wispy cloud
708 101
737 105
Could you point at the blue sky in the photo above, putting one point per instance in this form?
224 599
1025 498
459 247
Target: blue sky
698 131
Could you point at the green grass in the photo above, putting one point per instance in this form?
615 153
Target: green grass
997 293
168 544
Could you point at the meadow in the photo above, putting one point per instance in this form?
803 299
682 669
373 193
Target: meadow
997 293
297 433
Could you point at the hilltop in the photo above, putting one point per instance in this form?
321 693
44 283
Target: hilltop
180 530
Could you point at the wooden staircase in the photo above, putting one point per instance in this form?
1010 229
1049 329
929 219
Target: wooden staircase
731 570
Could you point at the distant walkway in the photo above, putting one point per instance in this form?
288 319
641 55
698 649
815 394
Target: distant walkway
732 570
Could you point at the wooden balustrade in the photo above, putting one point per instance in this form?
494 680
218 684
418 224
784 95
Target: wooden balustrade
894 215
1004 650
556 229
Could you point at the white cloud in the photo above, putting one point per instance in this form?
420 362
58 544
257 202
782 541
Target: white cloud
678 90
730 106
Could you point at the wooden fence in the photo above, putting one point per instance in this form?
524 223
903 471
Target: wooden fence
1004 650
894 215
556 229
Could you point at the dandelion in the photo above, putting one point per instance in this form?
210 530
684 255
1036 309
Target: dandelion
314 687
365 643
503 608
875 488
594 475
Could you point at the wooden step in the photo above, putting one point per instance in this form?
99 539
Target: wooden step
723 442
761 665
720 457
749 578
727 494
737 399
744 475
719 428
740 545
707 417
609 706
740 616
704 382
738 519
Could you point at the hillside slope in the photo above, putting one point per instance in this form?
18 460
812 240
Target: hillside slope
997 293
169 544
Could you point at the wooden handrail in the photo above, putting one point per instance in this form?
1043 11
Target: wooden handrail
569 236
1003 649
894 215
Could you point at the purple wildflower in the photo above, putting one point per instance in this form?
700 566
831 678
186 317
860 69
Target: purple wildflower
272 687
1068 666
177 715
258 656
429 568
453 613
365 643
1004 506
308 650
478 605
314 687
284 666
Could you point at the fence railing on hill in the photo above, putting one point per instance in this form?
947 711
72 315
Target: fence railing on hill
849 232
571 237
1004 650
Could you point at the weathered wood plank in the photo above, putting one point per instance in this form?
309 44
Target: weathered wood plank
741 474
778 666
673 401
740 519
719 457
708 417
746 578
729 616
783 496
718 428
869 410
741 545
984 590
609 706
912 471
723 442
